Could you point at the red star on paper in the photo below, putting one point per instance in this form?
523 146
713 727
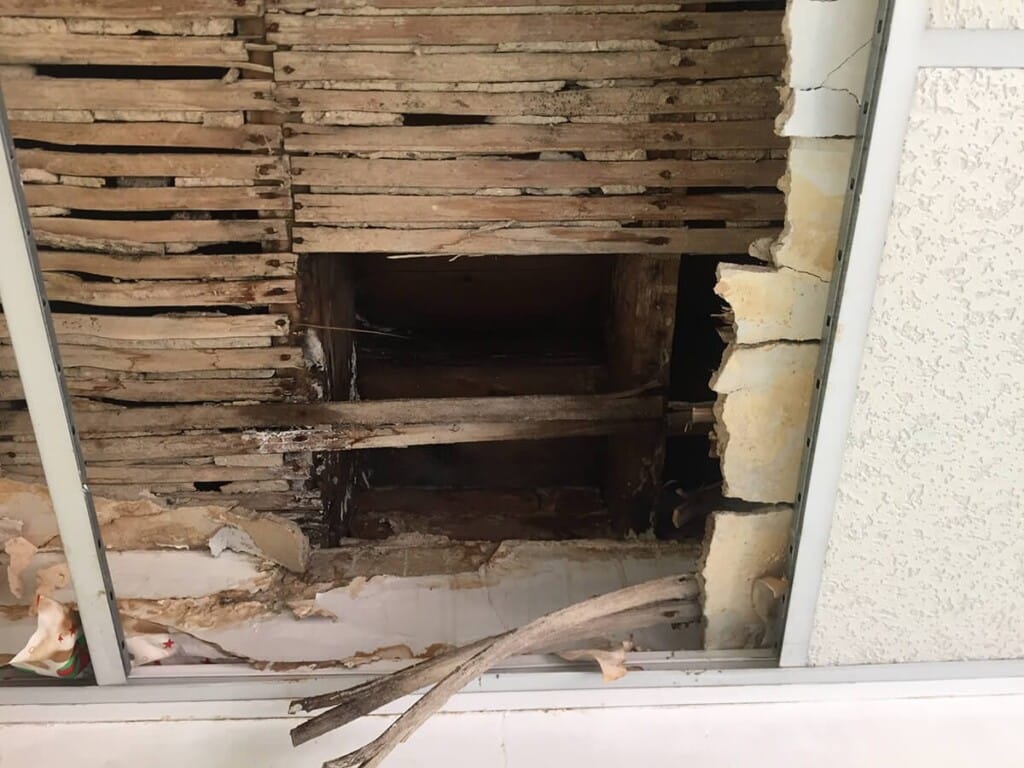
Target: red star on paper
168 643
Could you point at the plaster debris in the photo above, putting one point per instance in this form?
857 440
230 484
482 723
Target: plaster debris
146 524
764 396
20 552
770 304
612 662
9 528
740 549
235 539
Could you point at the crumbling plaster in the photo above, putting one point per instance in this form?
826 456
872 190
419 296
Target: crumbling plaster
926 558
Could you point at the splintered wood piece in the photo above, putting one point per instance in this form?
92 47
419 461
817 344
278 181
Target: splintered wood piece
485 173
539 633
109 94
502 67
493 139
527 241
287 29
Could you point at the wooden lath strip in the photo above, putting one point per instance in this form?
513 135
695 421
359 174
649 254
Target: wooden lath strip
50 229
176 165
499 139
109 94
161 327
206 266
369 209
132 9
231 198
128 50
364 413
167 293
660 99
503 67
168 361
365 6
484 173
290 29
527 241
257 138
132 389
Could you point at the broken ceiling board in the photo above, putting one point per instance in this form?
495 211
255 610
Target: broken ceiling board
740 548
162 293
829 44
493 139
373 209
396 617
148 575
660 99
763 406
768 304
143 524
500 67
816 184
468 174
132 9
66 93
528 241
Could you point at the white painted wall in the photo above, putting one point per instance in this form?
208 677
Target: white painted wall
978 14
926 555
938 733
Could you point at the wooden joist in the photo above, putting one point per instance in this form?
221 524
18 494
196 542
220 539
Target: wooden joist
498 139
230 198
167 293
486 173
168 165
671 64
363 209
132 9
527 241
656 100
490 29
236 266
374 414
380 379
128 50
256 138
59 93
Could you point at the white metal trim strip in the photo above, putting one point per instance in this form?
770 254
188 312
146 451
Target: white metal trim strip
35 349
973 48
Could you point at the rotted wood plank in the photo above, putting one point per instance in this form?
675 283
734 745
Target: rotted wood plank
168 361
161 327
257 138
290 29
111 94
359 209
65 231
495 139
179 165
504 67
374 414
131 50
483 173
132 267
528 241
132 9
142 474
230 198
122 388
167 293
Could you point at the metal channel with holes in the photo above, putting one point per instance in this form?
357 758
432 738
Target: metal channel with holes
26 310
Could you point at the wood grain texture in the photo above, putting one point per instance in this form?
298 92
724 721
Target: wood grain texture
132 9
257 138
167 293
238 266
121 49
156 328
231 198
169 165
115 94
50 229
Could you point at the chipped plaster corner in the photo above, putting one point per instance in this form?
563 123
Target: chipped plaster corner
769 304
740 548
